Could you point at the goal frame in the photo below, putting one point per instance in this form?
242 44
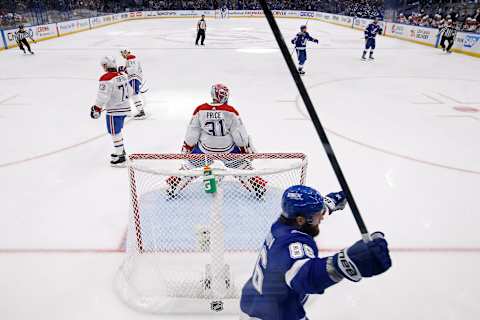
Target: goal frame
134 196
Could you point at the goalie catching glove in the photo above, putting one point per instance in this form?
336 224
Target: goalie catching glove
363 259
95 112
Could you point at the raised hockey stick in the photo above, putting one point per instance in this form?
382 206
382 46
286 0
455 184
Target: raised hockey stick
316 121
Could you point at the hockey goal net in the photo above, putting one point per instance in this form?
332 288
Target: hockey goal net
190 248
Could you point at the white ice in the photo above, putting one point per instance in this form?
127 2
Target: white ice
405 129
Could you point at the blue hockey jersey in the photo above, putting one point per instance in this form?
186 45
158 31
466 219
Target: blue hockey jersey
288 269
300 40
372 30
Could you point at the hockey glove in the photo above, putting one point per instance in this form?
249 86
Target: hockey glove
95 112
363 259
122 69
335 201
186 149
315 40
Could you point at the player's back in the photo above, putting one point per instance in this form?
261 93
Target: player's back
113 93
266 295
300 40
133 68
217 123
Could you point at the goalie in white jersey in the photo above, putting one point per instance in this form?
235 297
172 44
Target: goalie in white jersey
217 128
134 71
113 94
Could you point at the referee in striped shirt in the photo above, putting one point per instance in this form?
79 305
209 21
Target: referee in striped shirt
448 33
201 29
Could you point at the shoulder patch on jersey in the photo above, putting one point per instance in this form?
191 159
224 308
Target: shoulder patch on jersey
109 76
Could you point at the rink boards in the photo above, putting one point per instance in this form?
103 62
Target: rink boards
466 43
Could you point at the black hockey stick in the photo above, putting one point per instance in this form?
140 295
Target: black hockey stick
316 121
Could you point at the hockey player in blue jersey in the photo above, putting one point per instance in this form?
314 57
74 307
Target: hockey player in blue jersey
370 33
288 268
300 42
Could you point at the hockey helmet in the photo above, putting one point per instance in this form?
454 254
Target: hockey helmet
108 62
302 201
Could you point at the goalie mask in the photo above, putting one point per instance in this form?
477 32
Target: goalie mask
125 53
220 93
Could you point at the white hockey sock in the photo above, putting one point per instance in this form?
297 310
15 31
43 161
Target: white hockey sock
118 144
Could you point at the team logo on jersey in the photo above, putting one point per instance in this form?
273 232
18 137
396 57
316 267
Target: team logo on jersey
216 306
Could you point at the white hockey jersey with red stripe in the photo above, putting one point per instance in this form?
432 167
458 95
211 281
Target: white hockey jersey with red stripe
113 94
216 128
133 68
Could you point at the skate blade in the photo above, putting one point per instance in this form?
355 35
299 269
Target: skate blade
118 165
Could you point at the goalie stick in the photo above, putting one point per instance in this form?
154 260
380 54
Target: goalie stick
315 120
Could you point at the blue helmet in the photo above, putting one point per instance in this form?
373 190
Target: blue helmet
301 201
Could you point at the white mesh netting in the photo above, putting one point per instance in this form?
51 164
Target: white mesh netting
191 251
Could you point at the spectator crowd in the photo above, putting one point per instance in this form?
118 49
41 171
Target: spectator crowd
13 11
463 20
423 12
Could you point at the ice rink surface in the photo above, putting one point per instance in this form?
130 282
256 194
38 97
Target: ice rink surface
405 129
